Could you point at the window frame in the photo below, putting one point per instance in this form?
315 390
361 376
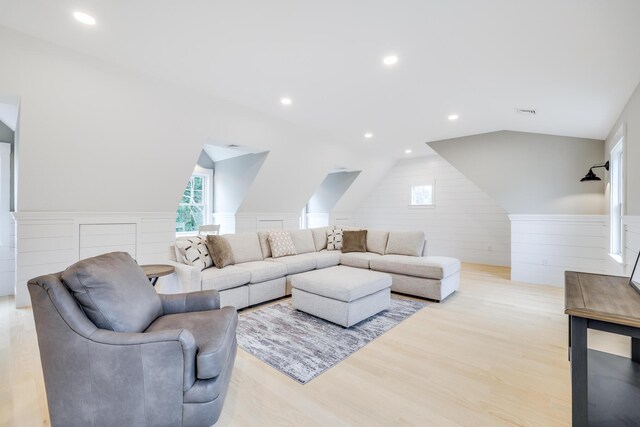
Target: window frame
617 197
207 186
431 205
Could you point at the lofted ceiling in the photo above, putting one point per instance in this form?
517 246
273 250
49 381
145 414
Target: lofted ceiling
575 61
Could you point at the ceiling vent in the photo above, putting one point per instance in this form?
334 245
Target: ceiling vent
526 111
233 146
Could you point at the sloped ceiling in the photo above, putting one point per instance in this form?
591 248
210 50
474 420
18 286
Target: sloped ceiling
530 173
572 60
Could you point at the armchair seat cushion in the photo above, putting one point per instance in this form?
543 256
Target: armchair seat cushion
228 277
214 332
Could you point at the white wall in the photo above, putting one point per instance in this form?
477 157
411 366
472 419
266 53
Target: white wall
48 242
8 261
466 223
529 173
543 247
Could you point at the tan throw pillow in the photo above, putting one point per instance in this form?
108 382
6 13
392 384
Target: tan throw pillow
354 241
194 252
334 239
281 244
220 251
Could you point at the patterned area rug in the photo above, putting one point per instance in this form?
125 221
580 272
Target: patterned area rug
303 346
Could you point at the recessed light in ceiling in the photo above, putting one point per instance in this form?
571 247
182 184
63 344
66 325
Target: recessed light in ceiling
285 101
368 135
84 18
390 60
408 151
453 117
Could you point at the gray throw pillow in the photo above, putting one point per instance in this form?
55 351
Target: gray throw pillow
354 241
220 251
113 292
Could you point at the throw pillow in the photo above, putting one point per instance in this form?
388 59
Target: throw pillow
113 292
334 239
220 251
405 243
281 244
194 252
354 241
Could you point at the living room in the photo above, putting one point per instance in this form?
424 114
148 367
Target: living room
397 189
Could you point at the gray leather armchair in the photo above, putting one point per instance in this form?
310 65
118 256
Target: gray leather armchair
114 352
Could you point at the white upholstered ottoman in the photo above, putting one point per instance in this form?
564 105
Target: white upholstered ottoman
342 295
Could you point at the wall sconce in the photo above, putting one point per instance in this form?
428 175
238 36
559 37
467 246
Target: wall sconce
590 176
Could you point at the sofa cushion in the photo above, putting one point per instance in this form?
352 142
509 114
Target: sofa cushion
225 278
334 239
194 252
281 244
358 259
220 251
261 271
303 241
114 292
245 247
214 332
342 283
319 238
429 267
405 243
263 237
377 241
325 258
297 263
354 241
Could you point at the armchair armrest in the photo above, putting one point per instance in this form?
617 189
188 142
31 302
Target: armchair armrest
190 301
181 337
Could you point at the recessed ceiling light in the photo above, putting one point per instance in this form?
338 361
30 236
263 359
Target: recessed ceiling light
390 60
285 101
408 151
453 117
84 18
368 135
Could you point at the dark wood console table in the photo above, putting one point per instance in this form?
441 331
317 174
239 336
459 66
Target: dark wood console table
605 388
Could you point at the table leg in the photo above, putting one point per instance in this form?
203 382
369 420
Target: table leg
153 281
579 390
635 349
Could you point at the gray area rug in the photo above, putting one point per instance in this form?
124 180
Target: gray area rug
303 346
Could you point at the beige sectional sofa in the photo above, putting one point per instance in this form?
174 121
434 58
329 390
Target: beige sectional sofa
258 277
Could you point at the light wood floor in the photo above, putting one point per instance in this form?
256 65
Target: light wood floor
493 354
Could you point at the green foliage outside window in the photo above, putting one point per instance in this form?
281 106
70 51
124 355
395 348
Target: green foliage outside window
191 211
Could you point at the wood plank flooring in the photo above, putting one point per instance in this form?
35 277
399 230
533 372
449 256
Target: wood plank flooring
493 354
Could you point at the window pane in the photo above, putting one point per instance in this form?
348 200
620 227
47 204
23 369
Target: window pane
422 195
192 210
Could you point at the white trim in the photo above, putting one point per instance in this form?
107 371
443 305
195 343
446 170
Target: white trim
40 215
560 218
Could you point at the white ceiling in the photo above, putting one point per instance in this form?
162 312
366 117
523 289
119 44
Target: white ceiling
575 61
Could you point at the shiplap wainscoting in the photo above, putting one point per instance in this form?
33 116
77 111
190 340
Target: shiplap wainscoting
48 242
8 260
465 223
631 242
248 222
543 247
